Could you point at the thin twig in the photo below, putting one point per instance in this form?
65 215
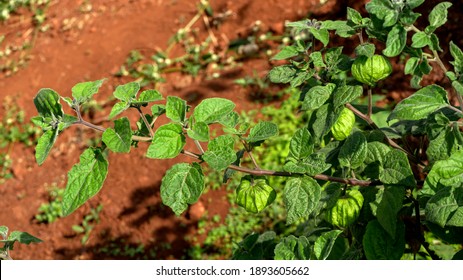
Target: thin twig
248 150
370 101
374 126
209 30
353 182
147 124
198 145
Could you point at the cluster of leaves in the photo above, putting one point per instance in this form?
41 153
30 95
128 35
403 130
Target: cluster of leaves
13 129
50 212
9 241
351 198
10 6
88 222
196 54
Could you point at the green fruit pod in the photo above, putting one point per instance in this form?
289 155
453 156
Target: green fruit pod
343 125
369 70
346 210
254 195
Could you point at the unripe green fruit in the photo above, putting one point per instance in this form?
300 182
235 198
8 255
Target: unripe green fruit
254 196
343 125
369 70
346 210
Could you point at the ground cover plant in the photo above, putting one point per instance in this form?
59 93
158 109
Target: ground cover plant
355 190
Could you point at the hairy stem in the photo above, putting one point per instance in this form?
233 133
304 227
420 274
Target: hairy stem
370 102
198 145
147 124
389 140
248 150
353 182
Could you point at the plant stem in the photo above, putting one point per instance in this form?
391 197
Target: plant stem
370 102
352 182
85 123
374 126
248 150
147 124
200 148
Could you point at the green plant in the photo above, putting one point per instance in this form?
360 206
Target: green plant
88 223
9 240
380 165
13 129
50 212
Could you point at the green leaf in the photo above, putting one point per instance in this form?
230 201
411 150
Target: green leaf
254 194
118 108
317 59
396 170
44 145
354 16
388 202
66 122
230 120
286 52
354 151
376 152
325 117
438 16
127 92
324 244
378 245
412 4
158 110
119 139
408 17
411 65
182 184
444 145
301 196
420 39
220 153
219 159
84 180
445 208
444 173
301 144
434 44
346 94
223 141
211 110
262 131
176 109
68 101
148 96
312 165
396 41
23 238
199 131
301 77
282 74
457 55
82 92
321 35
4 232
168 142
47 104
316 97
293 248
384 10
458 87
421 104
366 49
